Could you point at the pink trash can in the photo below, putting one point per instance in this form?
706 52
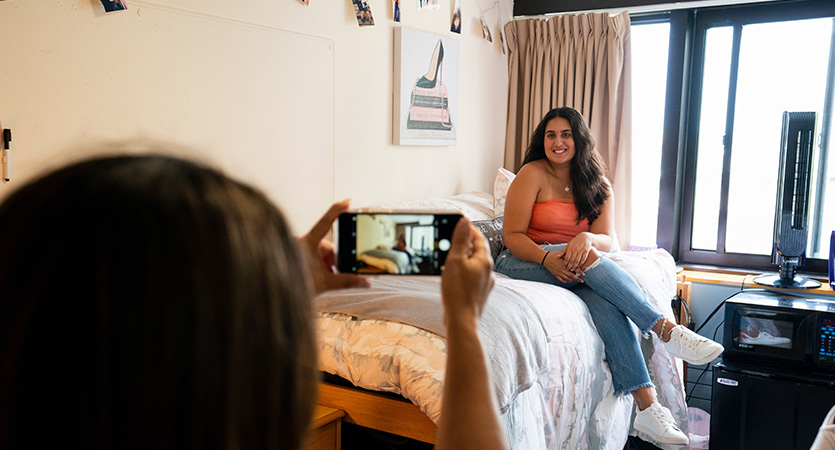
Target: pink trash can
698 425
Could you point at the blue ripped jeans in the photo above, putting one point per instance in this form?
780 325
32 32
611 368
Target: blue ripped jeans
612 297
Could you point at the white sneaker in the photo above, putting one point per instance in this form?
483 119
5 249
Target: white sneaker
766 339
657 422
691 347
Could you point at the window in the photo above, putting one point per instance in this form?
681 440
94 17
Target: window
649 62
422 237
758 118
743 66
712 111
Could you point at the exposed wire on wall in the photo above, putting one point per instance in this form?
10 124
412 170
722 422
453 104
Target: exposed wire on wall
499 23
495 5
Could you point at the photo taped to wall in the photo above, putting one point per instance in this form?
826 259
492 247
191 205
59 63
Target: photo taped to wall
455 27
501 37
429 4
114 5
485 30
363 12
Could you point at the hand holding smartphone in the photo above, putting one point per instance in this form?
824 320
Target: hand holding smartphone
395 243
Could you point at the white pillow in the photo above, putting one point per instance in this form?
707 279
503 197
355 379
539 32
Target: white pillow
503 179
474 205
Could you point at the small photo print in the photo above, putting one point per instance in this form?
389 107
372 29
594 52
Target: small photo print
114 5
363 12
455 27
395 6
429 4
501 38
485 31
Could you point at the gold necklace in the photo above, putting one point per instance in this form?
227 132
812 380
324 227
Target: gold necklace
567 187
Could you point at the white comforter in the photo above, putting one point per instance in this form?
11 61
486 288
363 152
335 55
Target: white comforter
570 406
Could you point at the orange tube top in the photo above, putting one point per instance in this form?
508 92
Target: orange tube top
554 222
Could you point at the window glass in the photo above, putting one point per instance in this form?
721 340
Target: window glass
712 118
782 67
422 238
649 79
827 213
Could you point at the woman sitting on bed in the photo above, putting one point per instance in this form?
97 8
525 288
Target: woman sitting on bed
148 302
401 246
558 226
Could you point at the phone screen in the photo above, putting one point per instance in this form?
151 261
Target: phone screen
399 243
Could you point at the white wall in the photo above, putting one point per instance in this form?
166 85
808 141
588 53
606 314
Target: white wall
295 99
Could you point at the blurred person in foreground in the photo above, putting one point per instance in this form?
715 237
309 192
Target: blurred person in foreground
153 302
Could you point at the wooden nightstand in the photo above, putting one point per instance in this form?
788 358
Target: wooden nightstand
326 429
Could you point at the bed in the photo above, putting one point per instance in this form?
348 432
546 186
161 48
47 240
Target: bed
385 261
552 382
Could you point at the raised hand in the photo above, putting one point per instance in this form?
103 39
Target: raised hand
468 275
321 252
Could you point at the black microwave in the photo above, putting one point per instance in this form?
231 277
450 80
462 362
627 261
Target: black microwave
779 329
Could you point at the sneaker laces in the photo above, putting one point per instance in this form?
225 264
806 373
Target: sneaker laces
663 418
688 340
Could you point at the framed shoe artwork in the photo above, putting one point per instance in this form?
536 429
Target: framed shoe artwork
425 88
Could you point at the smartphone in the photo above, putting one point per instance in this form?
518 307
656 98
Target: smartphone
394 243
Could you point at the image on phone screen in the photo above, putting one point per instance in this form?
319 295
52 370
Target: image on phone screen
394 243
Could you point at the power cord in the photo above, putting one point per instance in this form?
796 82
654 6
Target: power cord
677 303
716 330
722 303
690 322
707 366
742 285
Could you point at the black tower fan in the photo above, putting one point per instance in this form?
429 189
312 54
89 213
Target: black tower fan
793 185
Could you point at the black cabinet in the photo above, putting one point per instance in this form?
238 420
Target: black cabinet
761 408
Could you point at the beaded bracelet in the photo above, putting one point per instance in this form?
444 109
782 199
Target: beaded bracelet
543 258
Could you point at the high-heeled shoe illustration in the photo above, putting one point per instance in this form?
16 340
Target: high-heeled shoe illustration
429 103
436 64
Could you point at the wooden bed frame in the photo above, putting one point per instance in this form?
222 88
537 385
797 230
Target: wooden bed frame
379 412
400 416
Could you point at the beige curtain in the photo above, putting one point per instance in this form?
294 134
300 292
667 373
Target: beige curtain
582 61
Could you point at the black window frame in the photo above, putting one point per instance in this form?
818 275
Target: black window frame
688 28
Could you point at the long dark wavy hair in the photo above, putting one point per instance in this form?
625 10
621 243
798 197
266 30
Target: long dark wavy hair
589 187
151 302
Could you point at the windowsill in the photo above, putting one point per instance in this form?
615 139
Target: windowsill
741 278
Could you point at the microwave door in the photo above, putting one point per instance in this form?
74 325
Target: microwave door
765 329
771 337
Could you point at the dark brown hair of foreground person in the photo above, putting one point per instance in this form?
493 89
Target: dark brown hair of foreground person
151 303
